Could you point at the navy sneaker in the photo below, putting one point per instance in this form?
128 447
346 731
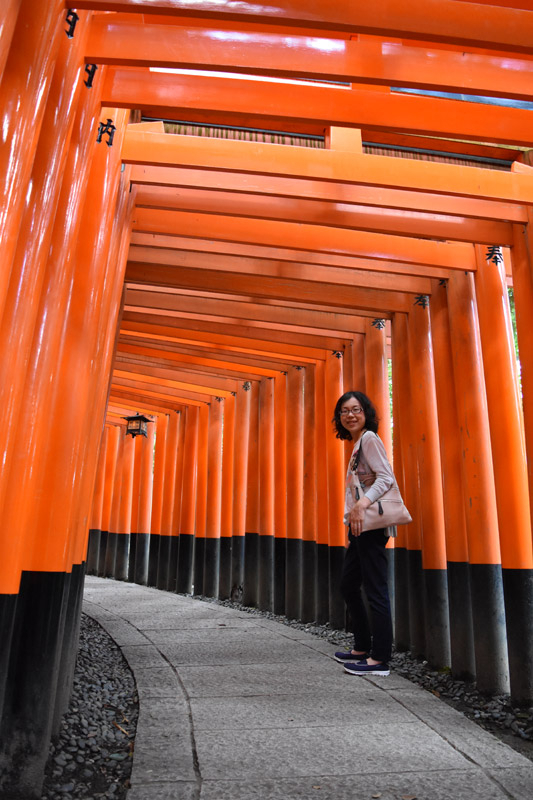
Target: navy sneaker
342 657
363 668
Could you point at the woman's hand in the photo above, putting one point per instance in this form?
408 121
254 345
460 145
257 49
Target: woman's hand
357 516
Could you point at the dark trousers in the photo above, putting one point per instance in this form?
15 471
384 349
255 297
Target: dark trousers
365 565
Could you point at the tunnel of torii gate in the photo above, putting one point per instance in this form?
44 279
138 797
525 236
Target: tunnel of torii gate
221 216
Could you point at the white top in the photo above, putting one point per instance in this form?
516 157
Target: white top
374 472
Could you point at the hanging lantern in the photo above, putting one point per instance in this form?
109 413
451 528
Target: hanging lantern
137 425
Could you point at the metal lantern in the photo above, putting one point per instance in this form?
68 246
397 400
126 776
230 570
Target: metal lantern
137 425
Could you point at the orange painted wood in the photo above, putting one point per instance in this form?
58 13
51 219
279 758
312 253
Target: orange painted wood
178 486
322 435
228 467
478 473
240 461
252 492
159 473
337 215
95 519
266 457
335 452
8 20
190 470
400 383
303 237
505 414
337 192
169 485
274 333
310 499
403 419
431 20
26 79
377 380
260 104
280 455
146 480
424 425
114 519
126 486
328 165
177 250
295 451
147 371
214 468
201 474
113 438
136 487
125 42
450 443
522 261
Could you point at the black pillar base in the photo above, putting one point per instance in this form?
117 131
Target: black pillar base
251 572
153 559
266 573
293 579
309 581
122 553
185 564
461 630
173 563
417 637
140 545
237 568
518 592
8 606
490 636
211 566
322 584
437 617
163 560
280 570
93 552
199 561
401 599
337 608
224 579
101 555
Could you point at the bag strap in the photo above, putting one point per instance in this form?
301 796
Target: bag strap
357 456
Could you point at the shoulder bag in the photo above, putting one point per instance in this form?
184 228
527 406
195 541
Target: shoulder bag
387 510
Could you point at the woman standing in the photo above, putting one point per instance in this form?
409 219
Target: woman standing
365 562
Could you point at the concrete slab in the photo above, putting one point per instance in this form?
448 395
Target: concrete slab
470 784
250 709
180 790
281 711
249 650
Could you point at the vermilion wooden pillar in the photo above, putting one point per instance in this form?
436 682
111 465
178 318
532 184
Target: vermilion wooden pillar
141 535
266 495
402 444
124 514
377 377
226 510
167 511
134 521
426 431
251 544
280 491
336 481
240 488
295 491
8 20
510 468
95 524
23 94
176 511
411 476
113 438
309 527
488 612
323 432
359 362
114 521
188 501
157 498
201 500
522 266
214 497
461 631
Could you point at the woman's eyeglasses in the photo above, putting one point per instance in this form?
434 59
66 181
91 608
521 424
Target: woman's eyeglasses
346 412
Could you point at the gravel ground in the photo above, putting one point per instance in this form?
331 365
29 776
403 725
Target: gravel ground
92 757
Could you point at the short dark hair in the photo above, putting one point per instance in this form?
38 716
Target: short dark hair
371 417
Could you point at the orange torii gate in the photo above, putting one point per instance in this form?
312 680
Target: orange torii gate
249 285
